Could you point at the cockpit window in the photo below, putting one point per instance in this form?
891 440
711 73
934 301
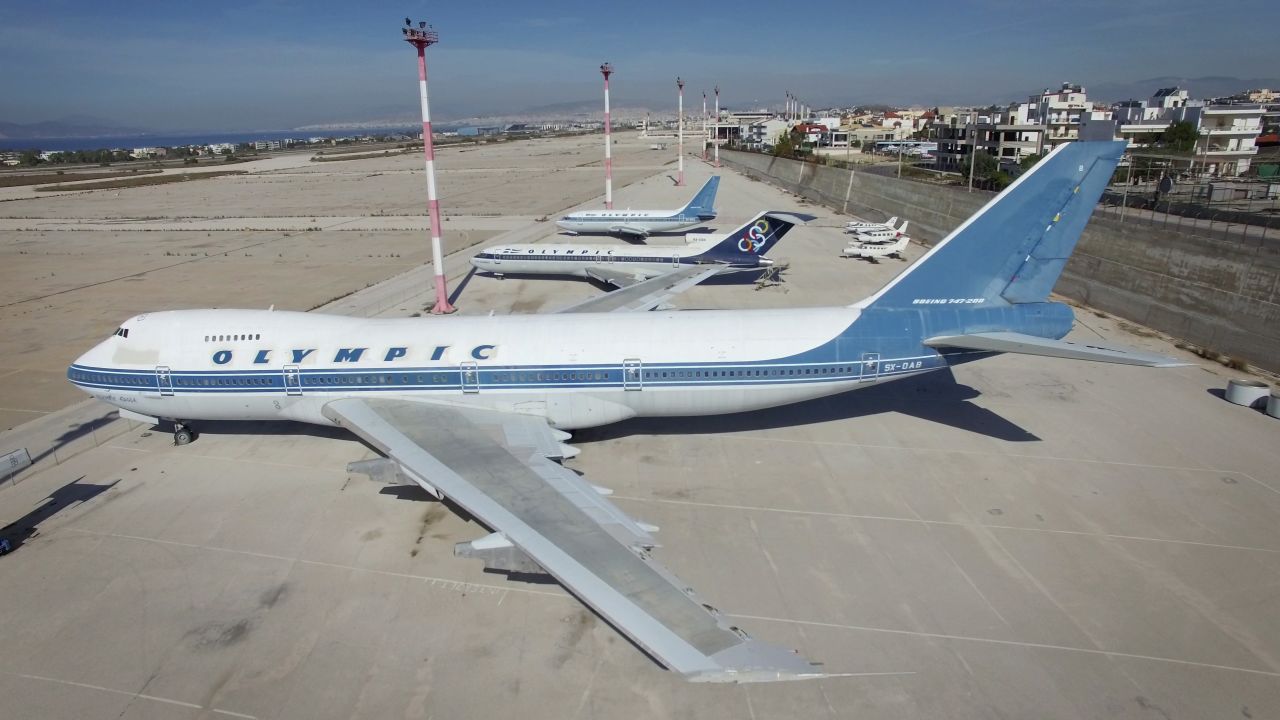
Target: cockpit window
121 332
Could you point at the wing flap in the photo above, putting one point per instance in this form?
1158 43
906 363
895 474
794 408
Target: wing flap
511 491
1011 342
647 294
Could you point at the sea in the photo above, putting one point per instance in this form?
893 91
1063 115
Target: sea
133 141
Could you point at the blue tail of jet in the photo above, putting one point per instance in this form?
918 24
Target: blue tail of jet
754 239
1012 251
703 204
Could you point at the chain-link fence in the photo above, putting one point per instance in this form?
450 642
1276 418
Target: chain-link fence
1239 211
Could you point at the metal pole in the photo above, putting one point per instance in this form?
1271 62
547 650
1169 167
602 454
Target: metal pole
704 126
421 39
680 131
973 154
717 127
899 158
607 69
1124 196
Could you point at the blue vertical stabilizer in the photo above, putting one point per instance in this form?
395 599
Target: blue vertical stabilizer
703 204
1013 249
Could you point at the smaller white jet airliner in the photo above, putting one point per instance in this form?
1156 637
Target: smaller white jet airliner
639 269
640 223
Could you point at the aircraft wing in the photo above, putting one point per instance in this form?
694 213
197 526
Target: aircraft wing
630 231
647 294
546 519
1011 342
616 278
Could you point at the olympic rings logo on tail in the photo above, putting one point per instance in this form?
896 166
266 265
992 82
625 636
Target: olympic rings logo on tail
755 238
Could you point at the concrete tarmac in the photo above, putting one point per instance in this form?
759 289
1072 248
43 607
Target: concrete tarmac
1039 538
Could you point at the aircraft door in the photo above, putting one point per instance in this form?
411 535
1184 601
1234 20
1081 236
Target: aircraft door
292 380
870 367
632 374
470 376
675 261
164 380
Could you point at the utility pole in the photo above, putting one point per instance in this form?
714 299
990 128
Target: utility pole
607 70
420 37
680 132
973 152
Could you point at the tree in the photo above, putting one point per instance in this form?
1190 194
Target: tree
1029 161
784 146
1180 136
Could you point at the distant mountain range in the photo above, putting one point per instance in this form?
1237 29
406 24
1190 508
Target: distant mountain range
1199 88
72 126
556 112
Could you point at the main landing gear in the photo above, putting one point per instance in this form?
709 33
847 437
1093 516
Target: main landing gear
182 434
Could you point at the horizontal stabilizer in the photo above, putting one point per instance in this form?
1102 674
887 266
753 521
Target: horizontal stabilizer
1011 342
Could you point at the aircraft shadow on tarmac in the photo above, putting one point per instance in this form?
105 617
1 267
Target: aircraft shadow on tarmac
73 493
935 397
76 431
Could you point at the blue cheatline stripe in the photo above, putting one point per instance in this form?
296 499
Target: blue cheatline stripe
616 218
535 377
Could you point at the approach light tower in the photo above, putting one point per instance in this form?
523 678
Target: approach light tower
420 37
704 126
716 141
680 133
607 70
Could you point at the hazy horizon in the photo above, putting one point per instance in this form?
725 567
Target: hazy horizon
282 64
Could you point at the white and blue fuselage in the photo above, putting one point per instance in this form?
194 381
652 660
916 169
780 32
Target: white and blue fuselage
577 370
641 223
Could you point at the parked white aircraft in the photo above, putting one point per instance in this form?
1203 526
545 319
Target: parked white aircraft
858 225
877 250
885 235
475 408
640 223
624 265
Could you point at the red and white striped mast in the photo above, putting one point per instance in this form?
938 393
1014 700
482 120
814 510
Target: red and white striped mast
717 126
705 129
607 70
680 132
420 37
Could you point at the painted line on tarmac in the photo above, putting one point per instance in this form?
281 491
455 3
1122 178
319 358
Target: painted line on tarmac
459 586
1011 643
126 693
951 523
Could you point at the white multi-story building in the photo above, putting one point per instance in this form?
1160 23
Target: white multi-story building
1060 112
1227 131
764 132
1009 135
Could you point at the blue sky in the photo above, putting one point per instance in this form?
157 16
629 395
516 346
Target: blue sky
278 64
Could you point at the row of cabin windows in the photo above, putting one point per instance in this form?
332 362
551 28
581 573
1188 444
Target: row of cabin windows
230 338
446 378
114 379
767 372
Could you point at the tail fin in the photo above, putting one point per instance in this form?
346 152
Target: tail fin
703 204
891 221
902 230
1014 248
755 238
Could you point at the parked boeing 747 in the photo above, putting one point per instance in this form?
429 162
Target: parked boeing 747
640 223
477 408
